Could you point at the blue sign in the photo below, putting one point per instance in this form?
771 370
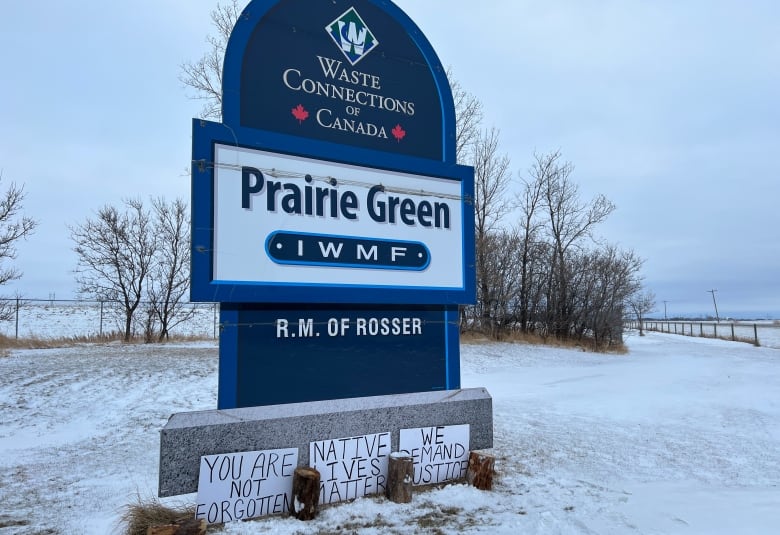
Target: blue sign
330 191
284 354
355 73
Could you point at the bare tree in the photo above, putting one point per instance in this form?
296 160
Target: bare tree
530 226
13 227
611 277
570 220
641 304
204 76
502 274
115 252
169 278
468 118
491 204
491 183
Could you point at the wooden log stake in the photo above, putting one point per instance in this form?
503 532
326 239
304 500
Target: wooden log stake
400 478
480 472
305 494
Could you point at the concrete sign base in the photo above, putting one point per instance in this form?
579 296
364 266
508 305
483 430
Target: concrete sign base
188 436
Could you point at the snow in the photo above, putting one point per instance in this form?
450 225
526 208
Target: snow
679 435
767 331
62 319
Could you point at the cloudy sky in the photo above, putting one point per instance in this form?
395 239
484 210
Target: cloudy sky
671 109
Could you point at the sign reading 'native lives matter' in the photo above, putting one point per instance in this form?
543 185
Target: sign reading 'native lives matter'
351 467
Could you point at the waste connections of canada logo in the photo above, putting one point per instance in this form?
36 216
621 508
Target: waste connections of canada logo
352 36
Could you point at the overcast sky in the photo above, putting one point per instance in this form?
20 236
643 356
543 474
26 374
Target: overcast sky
671 109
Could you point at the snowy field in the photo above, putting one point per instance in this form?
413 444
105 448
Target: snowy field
767 331
71 319
680 435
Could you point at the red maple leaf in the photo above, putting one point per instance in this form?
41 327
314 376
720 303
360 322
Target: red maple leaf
398 133
300 113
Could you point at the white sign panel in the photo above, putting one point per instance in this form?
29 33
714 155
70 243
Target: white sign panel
291 220
238 486
439 453
351 467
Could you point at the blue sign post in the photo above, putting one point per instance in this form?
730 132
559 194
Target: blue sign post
330 219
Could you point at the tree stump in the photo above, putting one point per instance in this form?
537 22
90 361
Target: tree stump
306 493
400 478
480 472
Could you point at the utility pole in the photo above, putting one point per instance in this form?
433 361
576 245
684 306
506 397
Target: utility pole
717 318
665 318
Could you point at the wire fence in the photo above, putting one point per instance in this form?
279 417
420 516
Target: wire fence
63 318
766 334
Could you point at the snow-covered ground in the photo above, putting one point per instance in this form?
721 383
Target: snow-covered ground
70 319
680 435
767 331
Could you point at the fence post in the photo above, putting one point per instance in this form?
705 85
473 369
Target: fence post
716 329
101 318
215 321
701 330
755 334
732 333
16 334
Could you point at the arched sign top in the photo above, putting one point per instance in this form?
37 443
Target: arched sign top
355 73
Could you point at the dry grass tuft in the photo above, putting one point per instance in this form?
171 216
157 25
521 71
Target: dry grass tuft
32 342
470 337
746 340
140 516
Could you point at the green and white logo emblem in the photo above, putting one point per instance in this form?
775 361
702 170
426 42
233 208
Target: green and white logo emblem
352 36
